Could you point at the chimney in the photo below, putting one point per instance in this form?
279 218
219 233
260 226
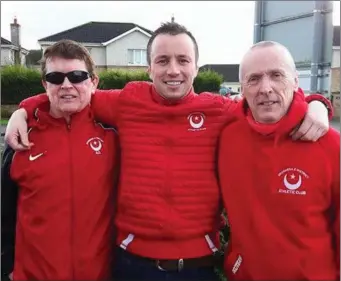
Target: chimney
172 18
15 32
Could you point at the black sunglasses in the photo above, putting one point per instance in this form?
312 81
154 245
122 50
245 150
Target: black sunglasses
74 77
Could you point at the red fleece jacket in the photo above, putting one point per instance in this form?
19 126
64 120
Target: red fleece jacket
282 200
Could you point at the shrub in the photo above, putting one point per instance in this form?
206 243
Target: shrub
208 81
18 83
7 110
116 79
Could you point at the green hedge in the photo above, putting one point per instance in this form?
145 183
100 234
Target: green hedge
18 83
208 81
116 79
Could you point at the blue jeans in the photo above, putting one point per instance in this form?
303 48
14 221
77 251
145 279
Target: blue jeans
129 267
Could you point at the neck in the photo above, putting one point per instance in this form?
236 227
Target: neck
58 115
171 101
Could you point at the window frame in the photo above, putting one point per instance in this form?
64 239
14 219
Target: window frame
135 53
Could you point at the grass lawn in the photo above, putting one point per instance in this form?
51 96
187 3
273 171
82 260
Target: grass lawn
4 121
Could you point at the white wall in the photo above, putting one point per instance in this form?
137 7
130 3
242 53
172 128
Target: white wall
98 54
7 56
22 59
117 52
336 57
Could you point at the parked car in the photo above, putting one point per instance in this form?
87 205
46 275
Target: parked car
227 92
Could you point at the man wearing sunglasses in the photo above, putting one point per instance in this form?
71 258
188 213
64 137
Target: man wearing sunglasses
74 77
168 213
56 198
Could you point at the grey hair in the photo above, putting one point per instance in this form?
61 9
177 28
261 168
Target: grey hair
264 44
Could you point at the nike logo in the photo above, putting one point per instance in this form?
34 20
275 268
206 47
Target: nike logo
32 158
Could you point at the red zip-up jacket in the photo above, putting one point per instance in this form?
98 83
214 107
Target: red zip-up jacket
169 200
168 197
65 204
282 199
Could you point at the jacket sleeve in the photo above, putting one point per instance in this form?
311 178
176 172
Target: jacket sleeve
230 109
336 223
331 145
30 104
325 101
336 205
9 195
104 104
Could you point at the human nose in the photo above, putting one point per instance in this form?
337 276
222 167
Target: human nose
173 69
265 85
66 83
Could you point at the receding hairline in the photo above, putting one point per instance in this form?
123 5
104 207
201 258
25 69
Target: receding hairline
171 28
267 44
176 35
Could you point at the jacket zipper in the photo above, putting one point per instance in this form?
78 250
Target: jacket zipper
72 206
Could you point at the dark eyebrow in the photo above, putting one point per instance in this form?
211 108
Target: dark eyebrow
185 57
161 57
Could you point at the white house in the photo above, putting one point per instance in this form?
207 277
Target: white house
11 51
111 44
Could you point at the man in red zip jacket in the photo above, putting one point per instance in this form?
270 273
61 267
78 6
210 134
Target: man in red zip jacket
168 213
282 197
57 198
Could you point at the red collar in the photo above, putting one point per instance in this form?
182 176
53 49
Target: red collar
294 116
42 116
161 100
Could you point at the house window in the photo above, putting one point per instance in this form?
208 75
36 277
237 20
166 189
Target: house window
137 56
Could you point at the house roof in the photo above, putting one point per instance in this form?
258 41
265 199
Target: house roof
5 42
8 44
336 36
94 32
230 72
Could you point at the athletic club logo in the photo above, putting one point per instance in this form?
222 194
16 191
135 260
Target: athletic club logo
196 121
292 179
95 144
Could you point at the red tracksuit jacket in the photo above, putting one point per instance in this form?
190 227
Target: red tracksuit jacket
282 199
65 204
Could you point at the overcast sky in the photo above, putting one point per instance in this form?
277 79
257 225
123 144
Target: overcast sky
223 29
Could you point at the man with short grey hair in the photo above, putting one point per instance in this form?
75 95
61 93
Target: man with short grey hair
284 204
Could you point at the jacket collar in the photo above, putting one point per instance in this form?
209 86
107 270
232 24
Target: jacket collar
163 101
282 128
42 116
